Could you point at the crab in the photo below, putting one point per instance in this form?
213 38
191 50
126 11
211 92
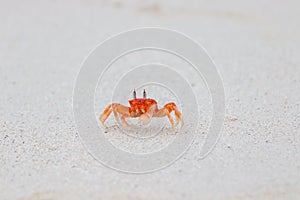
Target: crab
144 108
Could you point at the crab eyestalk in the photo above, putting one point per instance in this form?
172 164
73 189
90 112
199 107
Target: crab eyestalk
134 94
144 94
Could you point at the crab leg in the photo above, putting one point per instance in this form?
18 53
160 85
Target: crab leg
146 117
123 117
172 107
166 110
116 108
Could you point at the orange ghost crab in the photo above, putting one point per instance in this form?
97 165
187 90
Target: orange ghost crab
144 108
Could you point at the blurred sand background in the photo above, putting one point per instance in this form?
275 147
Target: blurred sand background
256 47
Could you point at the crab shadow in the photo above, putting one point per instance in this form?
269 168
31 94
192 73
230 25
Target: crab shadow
141 131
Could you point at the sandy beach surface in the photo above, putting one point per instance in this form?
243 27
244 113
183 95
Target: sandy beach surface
255 46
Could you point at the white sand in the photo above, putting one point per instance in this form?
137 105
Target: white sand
256 47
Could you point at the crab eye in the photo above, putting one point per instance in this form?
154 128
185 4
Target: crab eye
134 94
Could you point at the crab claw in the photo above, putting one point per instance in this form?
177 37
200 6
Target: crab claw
144 119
